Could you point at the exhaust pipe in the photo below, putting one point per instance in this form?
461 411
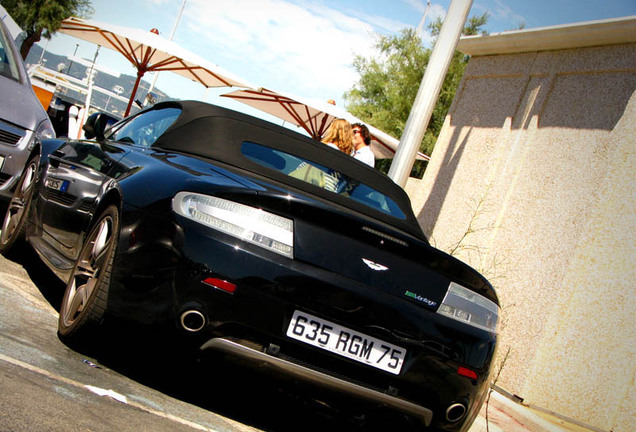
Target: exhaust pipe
455 412
192 320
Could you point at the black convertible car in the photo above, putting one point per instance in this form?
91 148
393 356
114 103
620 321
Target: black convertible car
255 241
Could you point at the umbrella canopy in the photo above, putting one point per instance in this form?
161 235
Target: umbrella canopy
313 116
149 52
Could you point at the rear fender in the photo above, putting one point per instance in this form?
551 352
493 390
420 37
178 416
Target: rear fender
110 194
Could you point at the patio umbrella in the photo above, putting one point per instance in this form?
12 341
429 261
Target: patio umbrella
313 116
149 52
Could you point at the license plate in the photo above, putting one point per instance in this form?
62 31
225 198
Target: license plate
348 343
57 184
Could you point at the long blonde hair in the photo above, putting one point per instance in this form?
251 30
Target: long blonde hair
340 133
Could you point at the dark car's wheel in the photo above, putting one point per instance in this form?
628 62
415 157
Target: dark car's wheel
15 218
84 302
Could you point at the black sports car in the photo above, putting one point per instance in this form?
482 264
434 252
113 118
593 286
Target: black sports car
255 241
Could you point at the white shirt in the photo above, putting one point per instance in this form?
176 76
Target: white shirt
364 154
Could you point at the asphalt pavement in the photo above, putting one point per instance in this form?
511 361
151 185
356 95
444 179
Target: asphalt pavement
47 386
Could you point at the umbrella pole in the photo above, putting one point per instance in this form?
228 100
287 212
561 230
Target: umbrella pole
140 73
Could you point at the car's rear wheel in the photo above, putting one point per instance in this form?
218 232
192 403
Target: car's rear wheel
84 303
14 223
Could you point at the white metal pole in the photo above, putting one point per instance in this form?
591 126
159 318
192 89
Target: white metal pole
429 90
420 27
90 77
174 28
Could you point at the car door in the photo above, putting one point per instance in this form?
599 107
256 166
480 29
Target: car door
72 184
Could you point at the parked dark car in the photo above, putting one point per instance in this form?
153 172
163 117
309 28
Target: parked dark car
23 120
252 240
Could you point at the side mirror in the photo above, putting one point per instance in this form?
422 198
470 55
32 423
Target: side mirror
95 126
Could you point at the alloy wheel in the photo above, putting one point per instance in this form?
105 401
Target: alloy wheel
13 224
89 273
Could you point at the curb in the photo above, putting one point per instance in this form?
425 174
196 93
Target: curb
532 419
522 414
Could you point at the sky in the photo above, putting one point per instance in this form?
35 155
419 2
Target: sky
302 47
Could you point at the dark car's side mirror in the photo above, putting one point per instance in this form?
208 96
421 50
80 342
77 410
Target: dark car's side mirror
95 126
91 127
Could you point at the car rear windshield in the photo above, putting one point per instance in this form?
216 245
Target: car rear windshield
321 176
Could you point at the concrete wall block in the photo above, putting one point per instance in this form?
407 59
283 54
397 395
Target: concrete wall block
532 182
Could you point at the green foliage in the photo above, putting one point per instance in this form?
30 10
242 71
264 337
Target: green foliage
389 82
43 17
473 25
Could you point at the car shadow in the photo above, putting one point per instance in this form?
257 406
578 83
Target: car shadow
49 285
216 384
222 386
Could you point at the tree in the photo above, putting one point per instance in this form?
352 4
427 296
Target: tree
388 84
42 18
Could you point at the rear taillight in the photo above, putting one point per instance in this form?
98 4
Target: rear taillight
471 308
253 225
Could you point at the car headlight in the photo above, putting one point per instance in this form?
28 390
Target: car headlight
45 130
469 307
256 226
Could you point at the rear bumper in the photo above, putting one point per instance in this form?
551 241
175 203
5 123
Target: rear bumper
161 273
318 378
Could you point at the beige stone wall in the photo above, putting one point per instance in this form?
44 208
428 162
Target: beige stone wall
532 182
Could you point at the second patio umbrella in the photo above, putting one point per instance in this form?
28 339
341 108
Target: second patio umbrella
313 116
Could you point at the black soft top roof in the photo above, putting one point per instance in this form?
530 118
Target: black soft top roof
217 133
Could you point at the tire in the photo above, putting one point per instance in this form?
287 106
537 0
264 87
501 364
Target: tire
85 298
14 224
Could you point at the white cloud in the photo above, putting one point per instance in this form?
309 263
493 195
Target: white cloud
418 5
437 11
305 50
504 12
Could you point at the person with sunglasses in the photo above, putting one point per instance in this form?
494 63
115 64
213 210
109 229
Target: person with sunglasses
361 144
